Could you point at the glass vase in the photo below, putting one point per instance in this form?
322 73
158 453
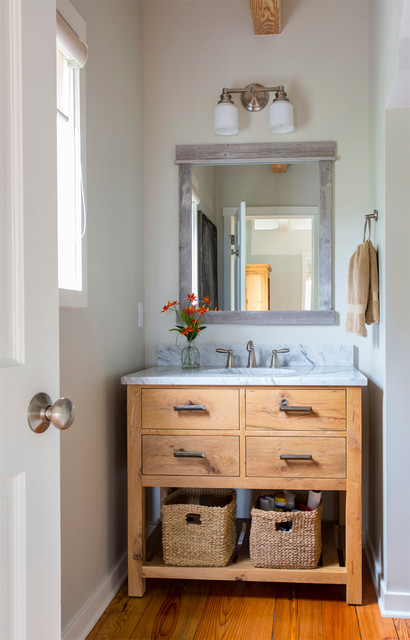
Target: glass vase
190 357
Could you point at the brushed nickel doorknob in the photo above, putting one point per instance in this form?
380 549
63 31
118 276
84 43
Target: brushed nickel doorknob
41 412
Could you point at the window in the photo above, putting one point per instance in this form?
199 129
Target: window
71 57
71 221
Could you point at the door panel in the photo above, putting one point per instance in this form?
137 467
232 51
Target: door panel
29 462
240 235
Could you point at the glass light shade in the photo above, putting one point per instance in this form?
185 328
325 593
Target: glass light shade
226 119
281 117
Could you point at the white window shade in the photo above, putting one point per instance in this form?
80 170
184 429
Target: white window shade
74 50
63 85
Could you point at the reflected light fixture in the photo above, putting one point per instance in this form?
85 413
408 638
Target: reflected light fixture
254 97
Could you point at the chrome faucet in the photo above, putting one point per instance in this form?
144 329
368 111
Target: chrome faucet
251 357
274 362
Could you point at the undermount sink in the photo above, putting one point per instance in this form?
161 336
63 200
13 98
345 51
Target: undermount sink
254 371
271 371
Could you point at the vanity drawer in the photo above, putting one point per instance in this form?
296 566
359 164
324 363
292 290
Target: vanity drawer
190 408
306 409
325 457
215 455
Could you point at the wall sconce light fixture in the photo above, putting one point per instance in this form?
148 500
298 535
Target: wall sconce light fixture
254 97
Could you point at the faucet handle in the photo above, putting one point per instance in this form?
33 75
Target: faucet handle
274 361
230 363
251 357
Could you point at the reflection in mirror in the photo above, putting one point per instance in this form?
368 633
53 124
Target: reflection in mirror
281 259
256 234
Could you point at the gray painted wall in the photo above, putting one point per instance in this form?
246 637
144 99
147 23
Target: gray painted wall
102 342
389 438
396 428
186 32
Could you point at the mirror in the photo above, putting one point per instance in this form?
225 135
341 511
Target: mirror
272 230
255 230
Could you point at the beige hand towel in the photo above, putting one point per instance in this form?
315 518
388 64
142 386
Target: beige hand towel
358 290
372 311
363 289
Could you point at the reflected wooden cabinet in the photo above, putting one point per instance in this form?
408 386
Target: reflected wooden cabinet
257 287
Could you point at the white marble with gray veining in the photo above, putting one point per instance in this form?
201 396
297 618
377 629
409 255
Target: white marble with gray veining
304 365
313 355
299 375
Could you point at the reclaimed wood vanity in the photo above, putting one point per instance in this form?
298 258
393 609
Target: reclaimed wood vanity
249 430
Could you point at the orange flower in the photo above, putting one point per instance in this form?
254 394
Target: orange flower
166 307
190 311
169 305
206 299
191 297
203 310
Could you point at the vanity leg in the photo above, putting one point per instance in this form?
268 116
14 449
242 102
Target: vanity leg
341 529
354 499
136 497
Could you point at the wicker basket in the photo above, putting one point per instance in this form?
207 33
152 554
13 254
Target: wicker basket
299 548
199 527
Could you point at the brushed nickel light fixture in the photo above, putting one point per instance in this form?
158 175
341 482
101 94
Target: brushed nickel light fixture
254 97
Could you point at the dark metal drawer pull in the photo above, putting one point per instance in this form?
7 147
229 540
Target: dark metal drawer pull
285 407
295 456
189 454
189 407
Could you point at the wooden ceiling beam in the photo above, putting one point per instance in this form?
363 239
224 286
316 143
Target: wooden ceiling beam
266 16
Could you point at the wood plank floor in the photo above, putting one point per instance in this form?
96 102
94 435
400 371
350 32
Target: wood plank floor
195 610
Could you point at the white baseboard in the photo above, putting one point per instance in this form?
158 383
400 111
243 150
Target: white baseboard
392 604
82 623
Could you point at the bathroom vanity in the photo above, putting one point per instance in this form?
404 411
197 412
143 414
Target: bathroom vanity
266 429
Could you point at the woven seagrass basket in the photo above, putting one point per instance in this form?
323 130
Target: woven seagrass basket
298 548
195 534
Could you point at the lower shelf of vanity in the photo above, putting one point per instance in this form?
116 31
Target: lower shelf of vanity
330 571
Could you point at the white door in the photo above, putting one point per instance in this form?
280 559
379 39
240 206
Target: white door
234 257
240 262
29 357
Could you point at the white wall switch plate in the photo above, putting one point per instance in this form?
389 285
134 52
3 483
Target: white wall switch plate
140 315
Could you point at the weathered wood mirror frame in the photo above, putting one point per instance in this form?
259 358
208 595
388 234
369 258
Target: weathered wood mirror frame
263 153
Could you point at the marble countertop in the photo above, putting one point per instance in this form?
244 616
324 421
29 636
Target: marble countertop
326 375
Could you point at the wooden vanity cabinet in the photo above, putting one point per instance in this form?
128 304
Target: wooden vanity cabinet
242 431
